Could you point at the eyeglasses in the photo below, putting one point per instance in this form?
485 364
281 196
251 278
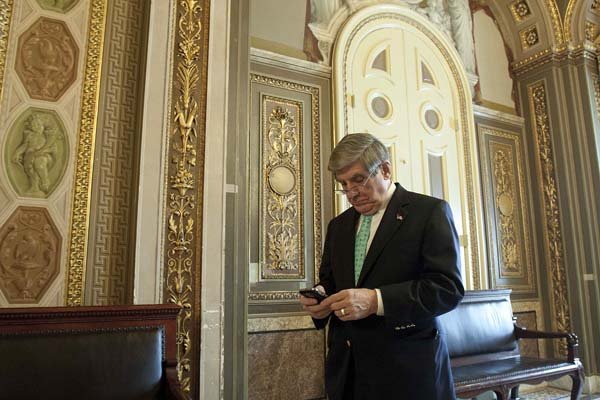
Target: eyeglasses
359 186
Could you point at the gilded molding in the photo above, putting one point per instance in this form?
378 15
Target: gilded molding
315 95
6 9
591 31
284 296
520 10
596 82
85 152
547 56
559 39
185 173
529 37
553 236
505 187
568 18
506 207
282 211
464 99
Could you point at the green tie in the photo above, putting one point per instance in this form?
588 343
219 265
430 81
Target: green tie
360 245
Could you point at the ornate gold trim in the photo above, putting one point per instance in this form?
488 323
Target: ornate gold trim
282 213
518 186
291 296
6 9
85 155
315 96
520 10
568 17
529 37
185 173
556 23
552 234
464 98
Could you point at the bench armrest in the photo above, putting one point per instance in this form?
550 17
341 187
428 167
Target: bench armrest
174 389
572 340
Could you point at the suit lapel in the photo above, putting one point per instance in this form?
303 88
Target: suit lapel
392 220
348 235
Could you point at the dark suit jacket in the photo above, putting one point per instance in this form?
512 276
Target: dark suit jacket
414 260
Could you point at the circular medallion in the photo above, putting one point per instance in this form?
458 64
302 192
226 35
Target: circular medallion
505 204
282 180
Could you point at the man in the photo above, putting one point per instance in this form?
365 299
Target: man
390 266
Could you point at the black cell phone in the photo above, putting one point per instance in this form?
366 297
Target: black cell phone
313 293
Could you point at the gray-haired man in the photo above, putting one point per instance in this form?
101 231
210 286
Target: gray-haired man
390 266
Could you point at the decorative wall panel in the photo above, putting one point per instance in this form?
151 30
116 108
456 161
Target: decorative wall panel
282 198
47 59
36 153
43 94
287 132
85 151
553 236
274 370
184 188
30 248
506 204
520 10
109 278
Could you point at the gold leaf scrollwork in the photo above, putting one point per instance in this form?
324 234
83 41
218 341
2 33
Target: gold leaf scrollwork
6 7
541 124
85 151
283 239
505 193
182 199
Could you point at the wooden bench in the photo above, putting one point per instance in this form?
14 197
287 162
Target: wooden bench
116 352
483 344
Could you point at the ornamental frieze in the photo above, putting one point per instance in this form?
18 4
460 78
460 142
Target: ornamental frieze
29 255
47 59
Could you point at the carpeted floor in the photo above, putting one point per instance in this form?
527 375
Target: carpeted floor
554 394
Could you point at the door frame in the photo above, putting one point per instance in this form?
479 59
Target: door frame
395 15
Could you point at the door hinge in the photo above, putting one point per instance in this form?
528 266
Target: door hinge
351 100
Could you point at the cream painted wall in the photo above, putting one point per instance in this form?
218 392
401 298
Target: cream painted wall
492 63
278 26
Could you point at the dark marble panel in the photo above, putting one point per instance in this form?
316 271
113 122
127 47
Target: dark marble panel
286 365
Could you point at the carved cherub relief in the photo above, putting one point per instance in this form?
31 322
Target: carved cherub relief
36 153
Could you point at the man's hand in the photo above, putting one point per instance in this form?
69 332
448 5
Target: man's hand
352 304
316 310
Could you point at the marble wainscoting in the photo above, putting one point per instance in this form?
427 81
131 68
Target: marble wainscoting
286 364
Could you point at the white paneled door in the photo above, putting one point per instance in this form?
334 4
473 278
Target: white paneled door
399 87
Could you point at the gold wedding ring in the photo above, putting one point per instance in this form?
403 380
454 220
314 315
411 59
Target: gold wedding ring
343 312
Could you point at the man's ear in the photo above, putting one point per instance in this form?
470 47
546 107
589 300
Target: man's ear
386 169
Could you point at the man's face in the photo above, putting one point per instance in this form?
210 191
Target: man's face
365 192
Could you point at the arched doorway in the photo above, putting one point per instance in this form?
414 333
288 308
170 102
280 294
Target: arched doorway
396 76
